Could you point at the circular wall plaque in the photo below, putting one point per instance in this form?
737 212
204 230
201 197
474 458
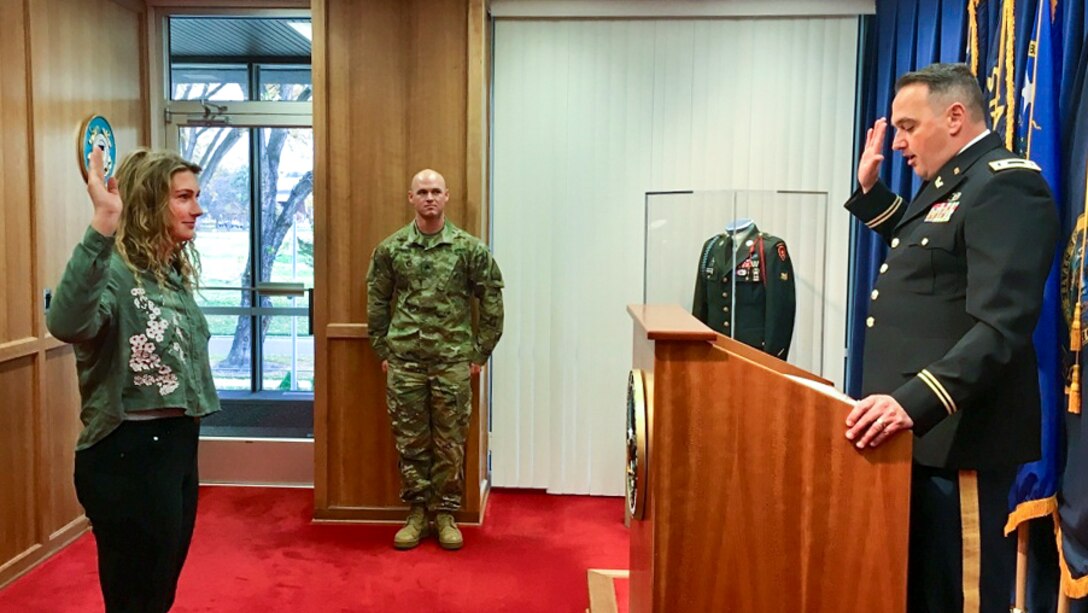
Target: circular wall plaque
637 460
96 132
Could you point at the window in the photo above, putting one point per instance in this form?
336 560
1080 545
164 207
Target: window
238 104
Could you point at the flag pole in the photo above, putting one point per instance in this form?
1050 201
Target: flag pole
1021 567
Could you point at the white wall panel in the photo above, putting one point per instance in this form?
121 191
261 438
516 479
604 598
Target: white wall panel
590 115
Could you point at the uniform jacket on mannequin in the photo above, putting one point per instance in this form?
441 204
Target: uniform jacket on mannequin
744 288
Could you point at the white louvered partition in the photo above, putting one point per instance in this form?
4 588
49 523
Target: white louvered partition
588 116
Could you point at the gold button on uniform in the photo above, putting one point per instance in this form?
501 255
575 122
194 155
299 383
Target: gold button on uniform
884 268
895 243
869 322
875 293
925 241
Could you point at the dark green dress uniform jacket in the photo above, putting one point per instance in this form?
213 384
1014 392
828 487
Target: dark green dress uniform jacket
765 300
955 304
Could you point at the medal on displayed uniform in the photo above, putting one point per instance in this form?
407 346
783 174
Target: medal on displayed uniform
753 258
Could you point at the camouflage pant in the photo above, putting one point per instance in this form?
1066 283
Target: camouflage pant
429 406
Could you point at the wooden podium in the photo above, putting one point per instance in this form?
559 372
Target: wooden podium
747 496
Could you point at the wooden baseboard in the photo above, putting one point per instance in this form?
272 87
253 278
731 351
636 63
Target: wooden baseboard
396 514
39 553
382 515
602 593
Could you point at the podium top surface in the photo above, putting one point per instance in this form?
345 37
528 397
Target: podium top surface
669 322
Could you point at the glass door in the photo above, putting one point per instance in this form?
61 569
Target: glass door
247 121
256 246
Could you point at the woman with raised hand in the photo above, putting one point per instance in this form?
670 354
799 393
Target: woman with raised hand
141 346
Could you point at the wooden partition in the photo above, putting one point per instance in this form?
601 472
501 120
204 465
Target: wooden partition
755 500
398 86
62 60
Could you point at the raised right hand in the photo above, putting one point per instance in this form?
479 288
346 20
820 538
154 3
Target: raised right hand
872 156
104 195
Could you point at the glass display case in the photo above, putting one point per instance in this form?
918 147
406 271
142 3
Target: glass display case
749 264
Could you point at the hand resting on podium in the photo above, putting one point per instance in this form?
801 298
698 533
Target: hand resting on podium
878 416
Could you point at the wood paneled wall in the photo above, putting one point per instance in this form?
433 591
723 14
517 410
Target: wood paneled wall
399 86
62 61
16 265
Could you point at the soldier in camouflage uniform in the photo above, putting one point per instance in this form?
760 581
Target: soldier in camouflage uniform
420 287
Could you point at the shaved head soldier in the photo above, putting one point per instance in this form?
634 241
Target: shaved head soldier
421 285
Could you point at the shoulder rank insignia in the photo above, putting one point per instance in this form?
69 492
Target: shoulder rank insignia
1011 163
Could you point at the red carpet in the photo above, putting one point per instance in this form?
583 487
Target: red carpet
623 594
255 550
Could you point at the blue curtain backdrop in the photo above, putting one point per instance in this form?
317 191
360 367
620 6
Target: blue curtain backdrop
904 35
1032 64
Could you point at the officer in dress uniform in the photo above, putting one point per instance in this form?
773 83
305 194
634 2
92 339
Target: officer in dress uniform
760 311
948 350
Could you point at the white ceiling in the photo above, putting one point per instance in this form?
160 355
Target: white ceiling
620 9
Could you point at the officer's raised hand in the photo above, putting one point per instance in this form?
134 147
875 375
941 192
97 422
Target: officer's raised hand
872 156
104 196
875 419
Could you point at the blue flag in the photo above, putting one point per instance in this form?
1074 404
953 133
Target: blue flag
1073 497
1038 138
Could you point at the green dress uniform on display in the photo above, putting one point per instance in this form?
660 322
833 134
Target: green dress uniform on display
750 272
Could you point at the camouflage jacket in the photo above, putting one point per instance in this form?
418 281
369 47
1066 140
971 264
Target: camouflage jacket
419 297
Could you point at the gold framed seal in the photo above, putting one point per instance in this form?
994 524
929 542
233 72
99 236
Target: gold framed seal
637 450
96 133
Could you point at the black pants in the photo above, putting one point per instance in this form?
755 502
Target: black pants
138 487
947 537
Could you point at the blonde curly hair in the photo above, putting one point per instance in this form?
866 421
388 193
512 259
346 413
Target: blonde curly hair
143 238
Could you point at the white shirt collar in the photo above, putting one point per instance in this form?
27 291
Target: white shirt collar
974 140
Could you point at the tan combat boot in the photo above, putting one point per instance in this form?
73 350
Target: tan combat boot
414 529
449 536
